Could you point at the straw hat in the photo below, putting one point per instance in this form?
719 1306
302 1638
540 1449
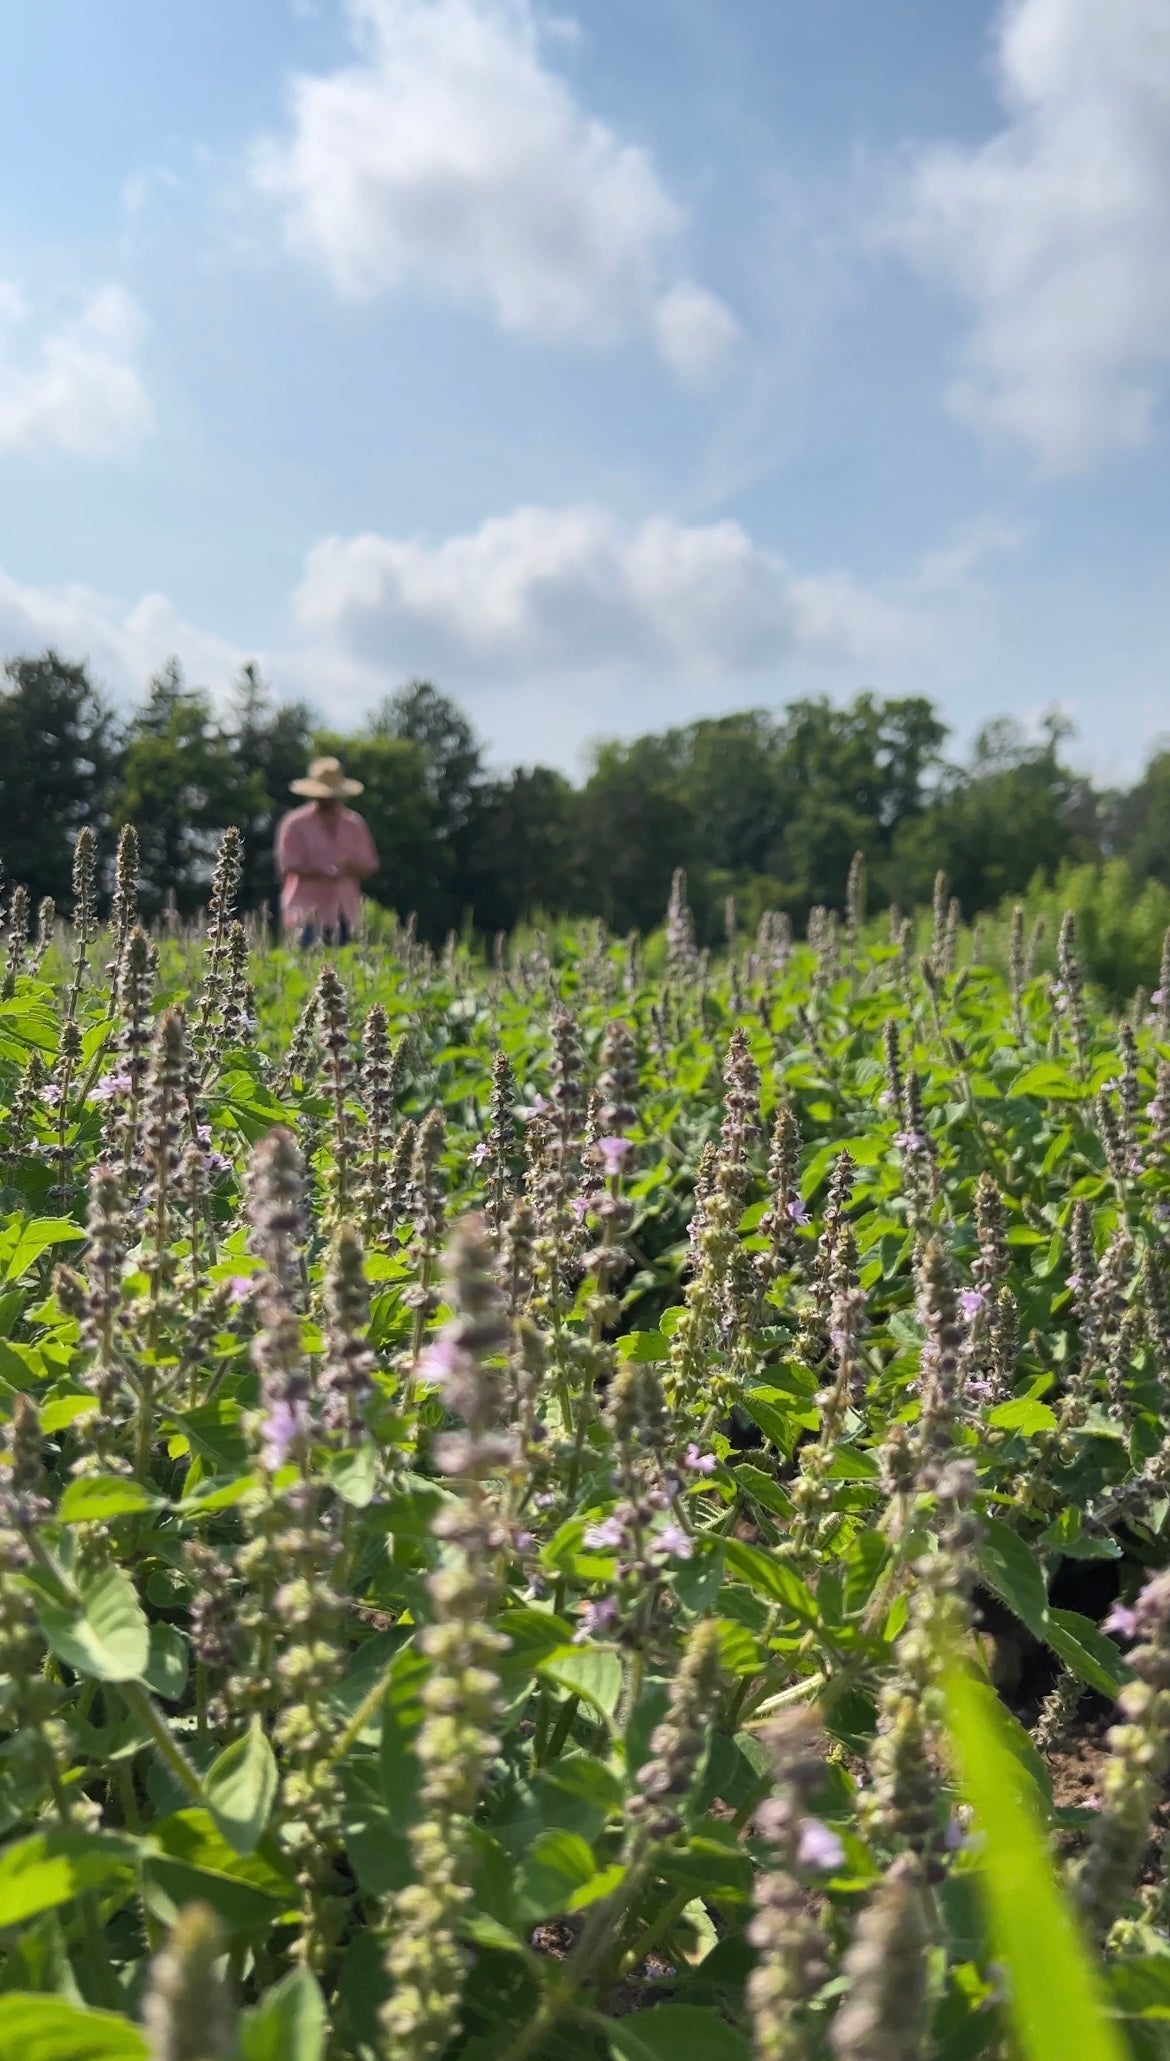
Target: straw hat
326 782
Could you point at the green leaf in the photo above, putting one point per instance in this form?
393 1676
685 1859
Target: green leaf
1012 1570
44 2028
1023 1414
771 1577
1086 1651
644 1345
1054 1083
553 1868
166 1670
107 1637
589 1672
241 1789
676 2032
35 1238
51 1868
95 1498
1054 1993
288 2024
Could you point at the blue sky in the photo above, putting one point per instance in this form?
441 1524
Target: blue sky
610 364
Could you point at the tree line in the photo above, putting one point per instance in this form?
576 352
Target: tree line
768 806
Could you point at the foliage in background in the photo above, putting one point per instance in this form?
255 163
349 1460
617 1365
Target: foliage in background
767 806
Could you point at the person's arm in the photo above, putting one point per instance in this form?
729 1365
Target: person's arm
365 859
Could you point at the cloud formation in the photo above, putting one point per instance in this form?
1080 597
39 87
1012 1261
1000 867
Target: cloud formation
1056 231
76 388
451 157
121 646
573 590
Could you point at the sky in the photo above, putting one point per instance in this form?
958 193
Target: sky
609 364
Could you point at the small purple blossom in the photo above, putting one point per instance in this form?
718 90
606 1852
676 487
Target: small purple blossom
1121 1619
910 1141
537 1107
819 1845
217 1163
596 1617
579 1206
441 1359
545 1500
674 1540
610 1532
1158 997
612 1152
111 1084
203 1133
970 1302
285 1424
956 1838
240 1287
798 1210
698 1462
523 1541
480 1153
1074 1282
51 1094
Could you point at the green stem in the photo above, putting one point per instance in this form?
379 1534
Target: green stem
146 1711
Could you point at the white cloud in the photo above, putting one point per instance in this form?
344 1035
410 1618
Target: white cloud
1056 231
75 388
571 591
450 156
121 646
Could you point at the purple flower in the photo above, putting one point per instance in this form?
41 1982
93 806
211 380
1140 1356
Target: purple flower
970 1302
1158 996
441 1360
536 1107
217 1163
111 1084
203 1133
523 1540
674 1540
545 1500
819 1845
1074 1281
480 1153
579 1206
697 1462
284 1425
910 1141
596 1617
51 1094
1122 1619
612 1152
610 1532
956 1838
240 1287
798 1210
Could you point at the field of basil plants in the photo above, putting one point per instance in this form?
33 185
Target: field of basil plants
582 1503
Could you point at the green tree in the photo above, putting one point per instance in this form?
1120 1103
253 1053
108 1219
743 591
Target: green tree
59 750
521 849
182 785
1139 826
635 828
271 742
1018 812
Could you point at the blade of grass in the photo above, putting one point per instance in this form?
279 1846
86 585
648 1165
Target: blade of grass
1055 1997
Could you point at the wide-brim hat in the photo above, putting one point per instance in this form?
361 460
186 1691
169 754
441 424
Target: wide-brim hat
326 782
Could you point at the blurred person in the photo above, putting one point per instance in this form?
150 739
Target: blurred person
323 853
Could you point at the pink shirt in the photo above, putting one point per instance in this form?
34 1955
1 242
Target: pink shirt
310 847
